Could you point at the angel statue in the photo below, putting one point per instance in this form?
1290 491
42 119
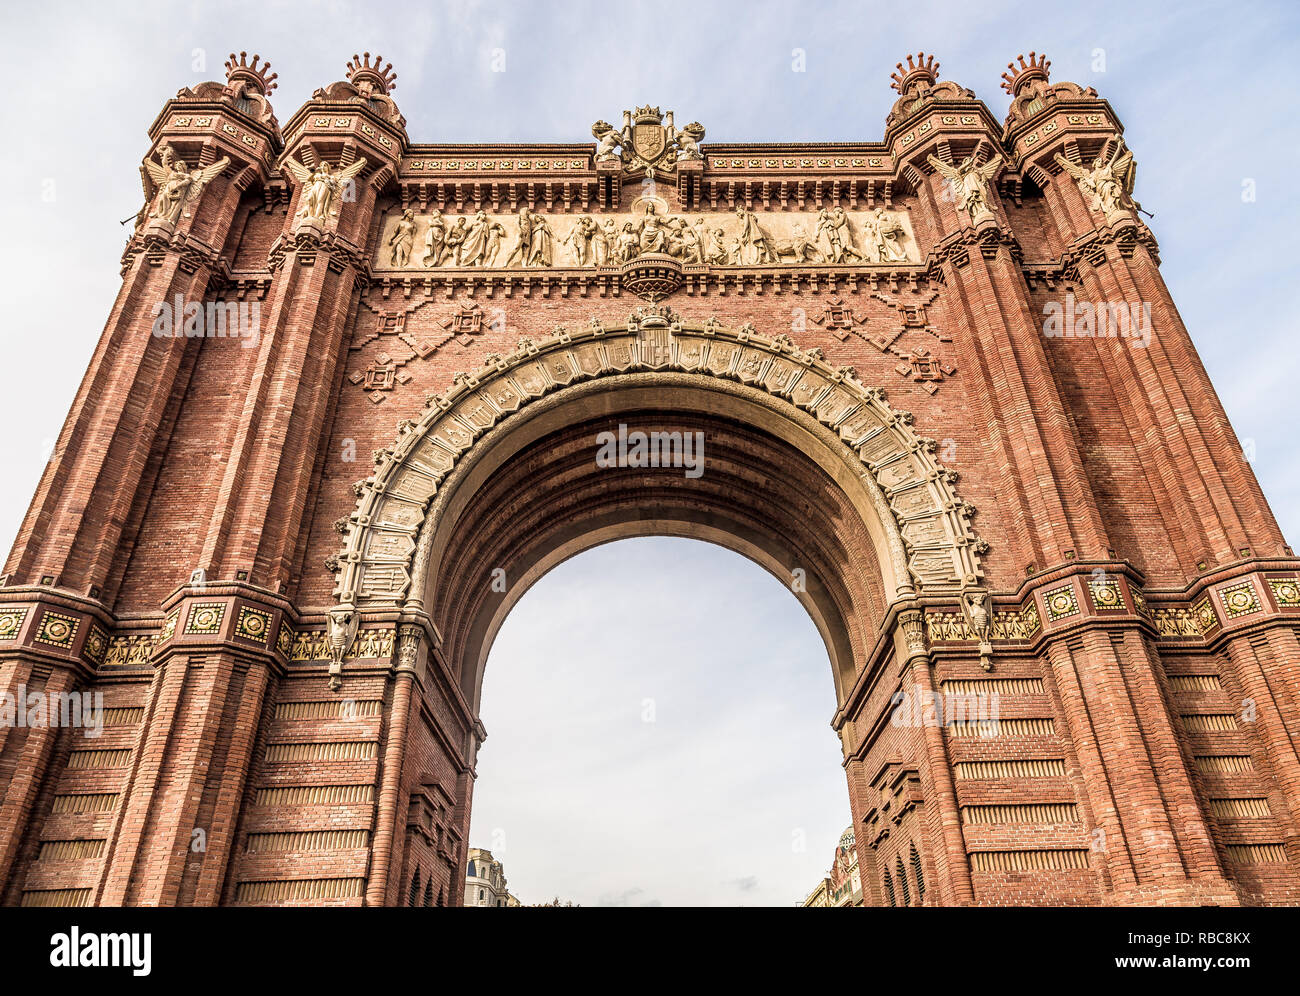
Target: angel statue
320 188
969 184
609 141
178 185
1107 183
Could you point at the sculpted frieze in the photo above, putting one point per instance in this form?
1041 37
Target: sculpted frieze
532 240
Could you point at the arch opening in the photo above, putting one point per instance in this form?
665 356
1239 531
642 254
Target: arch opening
675 696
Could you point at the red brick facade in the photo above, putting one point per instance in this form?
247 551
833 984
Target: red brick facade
1059 533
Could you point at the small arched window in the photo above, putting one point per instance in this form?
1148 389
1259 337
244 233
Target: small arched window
413 896
919 874
902 883
889 889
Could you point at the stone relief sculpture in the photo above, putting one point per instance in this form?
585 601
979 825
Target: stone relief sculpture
403 238
743 237
969 184
322 188
833 225
1108 183
648 141
609 142
887 235
688 141
178 185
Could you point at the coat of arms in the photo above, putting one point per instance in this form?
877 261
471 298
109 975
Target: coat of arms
648 142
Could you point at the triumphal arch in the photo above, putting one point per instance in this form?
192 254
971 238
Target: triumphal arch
346 409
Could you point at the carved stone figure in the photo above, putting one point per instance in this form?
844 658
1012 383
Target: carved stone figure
473 249
496 232
627 243
652 234
689 242
975 603
403 238
755 244
1108 183
579 240
886 237
322 189
456 239
800 246
833 226
541 252
435 240
609 142
342 630
178 185
688 141
606 242
969 184
523 247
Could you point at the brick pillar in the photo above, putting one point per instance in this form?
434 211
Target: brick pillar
191 761
1265 664
257 522
25 752
1133 771
954 885
1052 509
75 525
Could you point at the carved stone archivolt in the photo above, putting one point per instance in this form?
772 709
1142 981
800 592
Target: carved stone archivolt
929 538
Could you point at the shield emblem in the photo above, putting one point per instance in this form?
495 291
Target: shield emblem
649 140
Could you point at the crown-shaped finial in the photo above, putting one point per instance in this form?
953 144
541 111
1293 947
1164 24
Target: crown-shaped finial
647 115
250 73
1035 69
923 68
371 78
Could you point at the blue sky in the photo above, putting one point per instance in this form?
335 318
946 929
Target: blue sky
1203 91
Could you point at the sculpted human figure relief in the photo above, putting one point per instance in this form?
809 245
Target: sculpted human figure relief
743 237
887 235
178 185
833 226
969 184
435 239
403 238
1108 183
322 189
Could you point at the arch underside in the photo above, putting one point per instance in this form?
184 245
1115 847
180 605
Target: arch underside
805 471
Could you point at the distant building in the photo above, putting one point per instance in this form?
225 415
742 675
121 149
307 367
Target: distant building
843 886
820 896
485 880
846 881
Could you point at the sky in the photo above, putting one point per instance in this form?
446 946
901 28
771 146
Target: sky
1201 88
